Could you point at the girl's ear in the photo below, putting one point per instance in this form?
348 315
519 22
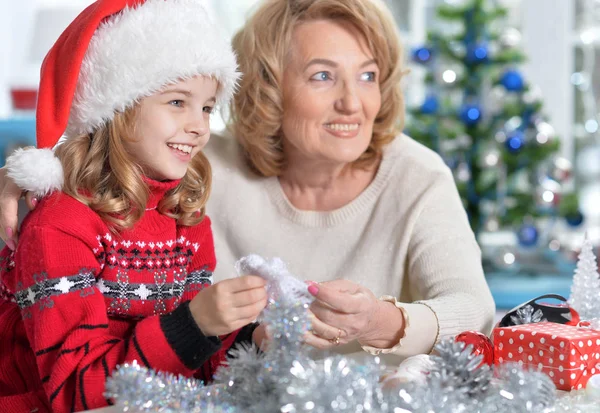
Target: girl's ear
35 170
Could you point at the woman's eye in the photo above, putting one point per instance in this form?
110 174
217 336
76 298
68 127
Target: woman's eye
369 77
208 109
321 76
176 102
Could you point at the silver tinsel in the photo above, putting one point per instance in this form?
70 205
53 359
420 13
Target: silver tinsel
458 369
520 391
284 379
526 315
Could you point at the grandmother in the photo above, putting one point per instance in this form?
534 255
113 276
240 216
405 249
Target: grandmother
317 172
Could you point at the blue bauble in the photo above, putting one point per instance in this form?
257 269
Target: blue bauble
575 219
528 235
515 142
422 54
477 53
470 114
430 105
512 80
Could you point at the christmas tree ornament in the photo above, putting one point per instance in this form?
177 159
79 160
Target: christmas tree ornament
430 105
575 219
512 80
457 48
533 95
477 53
470 114
490 157
515 142
528 235
500 136
496 99
480 345
510 38
422 55
586 284
548 194
513 124
560 169
448 75
545 132
462 173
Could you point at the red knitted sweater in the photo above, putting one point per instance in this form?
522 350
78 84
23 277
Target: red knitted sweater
77 301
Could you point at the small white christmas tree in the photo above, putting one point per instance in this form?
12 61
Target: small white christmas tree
585 291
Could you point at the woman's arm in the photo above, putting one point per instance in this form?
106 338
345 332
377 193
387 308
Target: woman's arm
444 275
444 272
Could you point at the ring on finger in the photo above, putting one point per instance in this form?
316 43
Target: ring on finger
336 340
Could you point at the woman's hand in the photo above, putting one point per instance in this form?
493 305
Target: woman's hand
9 205
345 311
229 305
261 337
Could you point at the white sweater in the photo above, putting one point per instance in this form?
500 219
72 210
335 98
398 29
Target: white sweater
407 235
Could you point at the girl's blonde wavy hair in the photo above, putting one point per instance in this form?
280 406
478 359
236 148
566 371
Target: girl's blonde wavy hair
100 173
262 47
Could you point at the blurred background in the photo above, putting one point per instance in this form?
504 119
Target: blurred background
506 91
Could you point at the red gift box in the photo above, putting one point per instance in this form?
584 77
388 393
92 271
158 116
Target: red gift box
570 355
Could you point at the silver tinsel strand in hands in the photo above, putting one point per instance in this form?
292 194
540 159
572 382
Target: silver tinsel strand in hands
526 315
284 379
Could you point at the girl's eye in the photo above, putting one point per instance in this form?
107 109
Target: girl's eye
369 76
176 102
321 76
208 109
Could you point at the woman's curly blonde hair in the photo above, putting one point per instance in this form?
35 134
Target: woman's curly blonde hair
262 46
100 173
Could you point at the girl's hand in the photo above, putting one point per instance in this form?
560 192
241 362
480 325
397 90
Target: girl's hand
229 305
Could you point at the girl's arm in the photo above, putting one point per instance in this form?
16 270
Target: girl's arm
203 264
67 323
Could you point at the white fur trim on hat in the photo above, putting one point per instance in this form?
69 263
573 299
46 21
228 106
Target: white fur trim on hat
140 50
35 170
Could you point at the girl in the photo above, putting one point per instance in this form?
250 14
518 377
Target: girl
114 267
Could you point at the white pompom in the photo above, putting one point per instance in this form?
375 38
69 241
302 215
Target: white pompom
35 170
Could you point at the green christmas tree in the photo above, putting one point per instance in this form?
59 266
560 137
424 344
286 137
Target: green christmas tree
486 121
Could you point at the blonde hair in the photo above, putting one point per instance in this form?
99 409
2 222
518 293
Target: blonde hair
100 173
262 46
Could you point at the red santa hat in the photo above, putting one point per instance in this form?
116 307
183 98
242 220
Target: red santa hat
113 54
